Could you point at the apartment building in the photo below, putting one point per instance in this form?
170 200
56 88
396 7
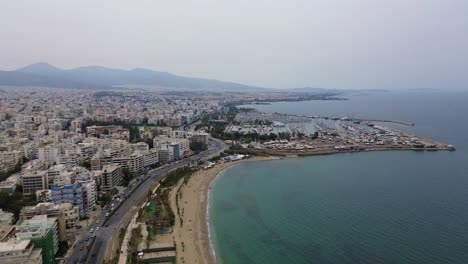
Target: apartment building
15 251
49 154
111 177
34 181
6 218
165 154
150 157
8 159
66 214
43 233
81 195
133 162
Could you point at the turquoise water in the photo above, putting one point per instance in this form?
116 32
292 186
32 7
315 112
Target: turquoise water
386 207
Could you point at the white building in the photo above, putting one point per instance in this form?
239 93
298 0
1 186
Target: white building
16 251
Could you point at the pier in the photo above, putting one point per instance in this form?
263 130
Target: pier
384 121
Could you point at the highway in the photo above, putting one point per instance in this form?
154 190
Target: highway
104 235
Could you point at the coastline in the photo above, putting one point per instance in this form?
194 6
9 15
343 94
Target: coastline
190 202
331 151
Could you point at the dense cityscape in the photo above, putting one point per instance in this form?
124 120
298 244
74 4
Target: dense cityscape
69 160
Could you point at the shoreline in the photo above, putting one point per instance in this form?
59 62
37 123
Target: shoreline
192 232
331 151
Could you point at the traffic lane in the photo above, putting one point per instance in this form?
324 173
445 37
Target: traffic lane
129 202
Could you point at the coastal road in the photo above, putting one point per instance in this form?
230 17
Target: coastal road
105 233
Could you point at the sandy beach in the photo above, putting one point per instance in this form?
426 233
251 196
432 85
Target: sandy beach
190 230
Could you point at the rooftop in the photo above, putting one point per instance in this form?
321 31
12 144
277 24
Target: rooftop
14 245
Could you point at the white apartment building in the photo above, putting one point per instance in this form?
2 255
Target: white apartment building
16 251
150 157
49 154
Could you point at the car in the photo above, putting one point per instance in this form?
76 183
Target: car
91 231
97 222
107 214
97 228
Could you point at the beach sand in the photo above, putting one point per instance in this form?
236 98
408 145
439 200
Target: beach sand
191 236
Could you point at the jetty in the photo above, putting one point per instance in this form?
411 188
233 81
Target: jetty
383 121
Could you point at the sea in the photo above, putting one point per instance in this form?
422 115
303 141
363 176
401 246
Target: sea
376 207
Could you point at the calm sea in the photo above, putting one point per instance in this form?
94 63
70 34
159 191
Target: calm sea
387 207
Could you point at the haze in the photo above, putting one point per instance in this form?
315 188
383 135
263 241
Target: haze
362 44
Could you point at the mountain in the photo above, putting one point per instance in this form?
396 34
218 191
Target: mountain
43 74
15 78
41 68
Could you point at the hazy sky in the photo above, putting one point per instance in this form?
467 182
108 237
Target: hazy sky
292 43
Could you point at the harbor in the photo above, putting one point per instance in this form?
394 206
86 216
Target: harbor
281 134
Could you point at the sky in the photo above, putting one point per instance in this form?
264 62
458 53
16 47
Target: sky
343 44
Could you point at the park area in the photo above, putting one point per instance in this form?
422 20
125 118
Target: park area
155 216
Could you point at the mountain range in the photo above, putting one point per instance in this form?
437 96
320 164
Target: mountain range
102 78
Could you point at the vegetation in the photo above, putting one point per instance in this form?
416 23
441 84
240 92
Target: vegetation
135 240
5 174
217 122
13 203
198 147
218 157
115 259
164 195
128 176
170 181
173 177
238 149
87 165
315 135
105 199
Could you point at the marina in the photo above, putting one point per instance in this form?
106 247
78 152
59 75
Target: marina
282 134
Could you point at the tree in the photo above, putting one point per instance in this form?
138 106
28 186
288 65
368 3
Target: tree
198 147
149 141
105 199
315 136
127 176
87 165
5 174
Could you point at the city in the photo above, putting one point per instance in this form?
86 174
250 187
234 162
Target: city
236 132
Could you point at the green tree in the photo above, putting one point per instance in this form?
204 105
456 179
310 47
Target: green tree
315 136
127 176
198 147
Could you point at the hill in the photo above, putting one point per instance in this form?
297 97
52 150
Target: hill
98 77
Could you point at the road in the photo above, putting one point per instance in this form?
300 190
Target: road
105 233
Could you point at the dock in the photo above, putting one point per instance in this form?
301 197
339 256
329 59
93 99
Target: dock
384 121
